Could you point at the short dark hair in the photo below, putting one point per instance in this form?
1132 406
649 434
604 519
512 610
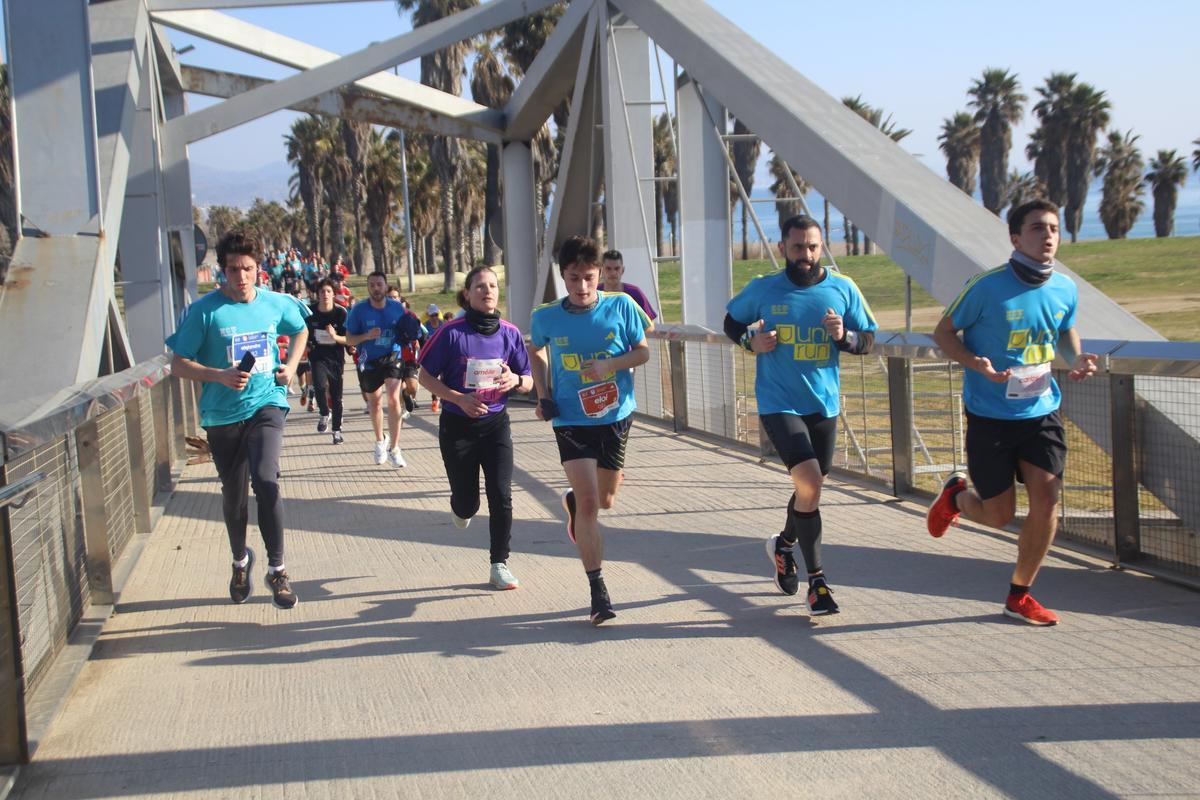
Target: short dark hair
462 297
239 242
575 249
321 284
613 255
801 221
1016 217
378 274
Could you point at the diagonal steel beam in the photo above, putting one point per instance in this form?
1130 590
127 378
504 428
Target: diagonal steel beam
936 233
180 5
346 103
318 80
232 32
170 74
549 77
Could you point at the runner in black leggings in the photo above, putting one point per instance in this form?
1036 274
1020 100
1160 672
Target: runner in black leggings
327 357
472 363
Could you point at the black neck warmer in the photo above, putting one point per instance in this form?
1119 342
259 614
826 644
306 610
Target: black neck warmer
804 277
574 309
1028 271
484 323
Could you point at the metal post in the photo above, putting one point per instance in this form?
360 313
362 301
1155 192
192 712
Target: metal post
95 528
679 396
1127 537
14 747
408 242
163 461
901 403
134 409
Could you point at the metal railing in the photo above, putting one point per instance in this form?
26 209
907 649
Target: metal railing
79 474
1133 431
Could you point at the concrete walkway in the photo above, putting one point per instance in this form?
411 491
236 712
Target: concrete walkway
402 674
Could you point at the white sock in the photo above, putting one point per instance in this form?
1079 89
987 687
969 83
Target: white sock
273 570
243 563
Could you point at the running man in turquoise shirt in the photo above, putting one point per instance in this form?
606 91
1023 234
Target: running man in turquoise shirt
242 410
803 318
582 351
1014 320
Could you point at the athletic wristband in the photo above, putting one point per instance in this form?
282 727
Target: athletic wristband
847 342
746 337
549 408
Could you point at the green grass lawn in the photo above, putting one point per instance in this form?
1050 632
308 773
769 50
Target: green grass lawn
1157 277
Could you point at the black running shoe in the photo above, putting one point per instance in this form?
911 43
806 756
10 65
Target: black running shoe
410 405
568 504
281 588
239 584
602 610
820 598
787 580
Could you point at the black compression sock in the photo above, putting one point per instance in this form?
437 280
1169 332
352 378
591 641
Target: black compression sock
596 578
806 527
1014 589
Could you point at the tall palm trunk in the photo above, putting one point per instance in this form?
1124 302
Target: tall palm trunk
493 213
1165 198
995 141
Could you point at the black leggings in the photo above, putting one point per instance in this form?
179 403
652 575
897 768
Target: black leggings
468 444
246 454
327 377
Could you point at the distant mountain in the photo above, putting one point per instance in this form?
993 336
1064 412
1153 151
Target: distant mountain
213 186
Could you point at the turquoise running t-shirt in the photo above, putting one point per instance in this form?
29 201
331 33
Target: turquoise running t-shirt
610 329
801 375
1013 325
216 332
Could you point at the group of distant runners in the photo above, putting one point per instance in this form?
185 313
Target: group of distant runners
1005 328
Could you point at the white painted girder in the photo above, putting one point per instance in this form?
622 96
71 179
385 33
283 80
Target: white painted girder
936 233
348 69
254 40
180 5
549 77
349 104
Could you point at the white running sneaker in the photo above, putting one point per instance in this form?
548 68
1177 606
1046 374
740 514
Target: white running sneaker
460 522
501 578
381 451
406 414
396 458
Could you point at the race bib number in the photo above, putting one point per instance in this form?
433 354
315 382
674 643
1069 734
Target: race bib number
598 400
385 339
257 343
322 336
1029 381
482 373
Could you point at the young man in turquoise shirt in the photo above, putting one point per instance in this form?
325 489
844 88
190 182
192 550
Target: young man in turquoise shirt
803 318
582 351
1014 320
243 410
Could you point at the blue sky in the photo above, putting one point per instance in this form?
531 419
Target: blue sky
915 60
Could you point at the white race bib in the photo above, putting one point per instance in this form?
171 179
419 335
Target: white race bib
257 343
483 373
1028 381
322 336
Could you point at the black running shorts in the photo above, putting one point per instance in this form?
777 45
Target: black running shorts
374 374
409 369
802 438
995 446
605 443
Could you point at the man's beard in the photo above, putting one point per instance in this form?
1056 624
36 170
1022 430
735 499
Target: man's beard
803 271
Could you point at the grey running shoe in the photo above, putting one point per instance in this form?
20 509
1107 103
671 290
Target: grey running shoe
501 578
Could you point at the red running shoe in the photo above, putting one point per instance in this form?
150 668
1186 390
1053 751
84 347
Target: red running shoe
942 514
1026 609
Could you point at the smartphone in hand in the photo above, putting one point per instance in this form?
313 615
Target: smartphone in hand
247 362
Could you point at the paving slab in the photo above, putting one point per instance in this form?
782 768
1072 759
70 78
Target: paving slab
401 673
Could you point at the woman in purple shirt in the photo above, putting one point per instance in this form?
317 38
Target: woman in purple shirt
471 363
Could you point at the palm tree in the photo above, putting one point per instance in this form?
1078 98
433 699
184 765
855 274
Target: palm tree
354 141
1196 155
222 219
664 166
384 180
1168 172
1088 116
1048 144
443 70
307 150
1020 189
782 187
491 86
337 177
998 104
960 142
269 219
1121 164
745 159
